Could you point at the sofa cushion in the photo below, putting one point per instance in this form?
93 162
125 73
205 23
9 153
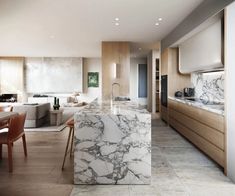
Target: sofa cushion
34 112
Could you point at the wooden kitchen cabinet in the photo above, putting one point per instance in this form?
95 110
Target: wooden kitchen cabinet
176 80
164 62
203 128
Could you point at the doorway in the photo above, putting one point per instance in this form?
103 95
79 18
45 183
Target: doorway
142 80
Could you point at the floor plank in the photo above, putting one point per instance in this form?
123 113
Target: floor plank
178 168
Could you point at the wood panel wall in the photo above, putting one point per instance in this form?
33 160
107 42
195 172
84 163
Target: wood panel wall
119 53
176 80
12 76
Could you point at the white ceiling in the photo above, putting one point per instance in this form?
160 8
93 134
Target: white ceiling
77 27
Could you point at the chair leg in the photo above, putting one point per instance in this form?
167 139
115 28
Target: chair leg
0 151
71 148
9 145
24 145
66 150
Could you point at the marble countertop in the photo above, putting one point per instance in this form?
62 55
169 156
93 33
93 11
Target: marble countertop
100 107
218 109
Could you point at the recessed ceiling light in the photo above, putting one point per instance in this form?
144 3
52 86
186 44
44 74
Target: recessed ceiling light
160 19
117 19
156 23
116 23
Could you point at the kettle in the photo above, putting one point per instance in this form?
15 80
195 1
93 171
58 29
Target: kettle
178 94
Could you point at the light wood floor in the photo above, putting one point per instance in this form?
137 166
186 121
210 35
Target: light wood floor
178 168
40 173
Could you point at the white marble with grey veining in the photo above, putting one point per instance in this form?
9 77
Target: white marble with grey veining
112 144
209 87
178 169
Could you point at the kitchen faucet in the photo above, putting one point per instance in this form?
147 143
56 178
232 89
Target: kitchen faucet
115 83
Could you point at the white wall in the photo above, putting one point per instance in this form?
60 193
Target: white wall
91 65
229 87
53 74
134 62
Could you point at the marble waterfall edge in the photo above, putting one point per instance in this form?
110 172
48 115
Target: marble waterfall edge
112 147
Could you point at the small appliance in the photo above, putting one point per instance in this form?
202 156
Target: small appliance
178 94
189 92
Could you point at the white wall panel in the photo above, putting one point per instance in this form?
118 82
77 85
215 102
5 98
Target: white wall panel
53 74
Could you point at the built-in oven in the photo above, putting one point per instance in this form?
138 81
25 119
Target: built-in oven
164 90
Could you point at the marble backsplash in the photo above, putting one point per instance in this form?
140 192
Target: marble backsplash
209 87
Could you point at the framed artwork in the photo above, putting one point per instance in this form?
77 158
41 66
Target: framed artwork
93 79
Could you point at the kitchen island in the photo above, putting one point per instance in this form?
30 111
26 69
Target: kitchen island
112 144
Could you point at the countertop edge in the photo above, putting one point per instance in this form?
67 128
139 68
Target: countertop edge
198 105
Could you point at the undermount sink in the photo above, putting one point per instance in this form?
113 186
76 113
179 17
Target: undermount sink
217 106
122 99
191 99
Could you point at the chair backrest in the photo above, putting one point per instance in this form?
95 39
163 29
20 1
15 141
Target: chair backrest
7 108
70 123
16 127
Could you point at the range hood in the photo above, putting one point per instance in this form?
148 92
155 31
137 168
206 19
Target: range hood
203 51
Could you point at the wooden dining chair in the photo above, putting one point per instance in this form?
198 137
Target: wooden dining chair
4 124
7 108
70 124
15 132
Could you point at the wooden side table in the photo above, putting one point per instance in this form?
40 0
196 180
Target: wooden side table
56 117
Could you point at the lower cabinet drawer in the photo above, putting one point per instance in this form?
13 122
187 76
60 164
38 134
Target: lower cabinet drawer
211 135
210 119
211 150
204 129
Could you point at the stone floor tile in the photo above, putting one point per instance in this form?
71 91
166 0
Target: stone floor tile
100 190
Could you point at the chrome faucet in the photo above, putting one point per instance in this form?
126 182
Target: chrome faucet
115 83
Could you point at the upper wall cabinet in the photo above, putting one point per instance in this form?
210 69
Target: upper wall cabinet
204 50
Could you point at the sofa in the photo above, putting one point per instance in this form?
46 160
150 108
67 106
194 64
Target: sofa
36 114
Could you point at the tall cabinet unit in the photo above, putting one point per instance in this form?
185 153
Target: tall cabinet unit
164 73
153 84
171 79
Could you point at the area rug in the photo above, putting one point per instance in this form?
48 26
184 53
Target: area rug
46 128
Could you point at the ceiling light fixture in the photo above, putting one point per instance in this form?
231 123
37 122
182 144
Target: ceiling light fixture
116 23
140 48
160 19
156 23
117 19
